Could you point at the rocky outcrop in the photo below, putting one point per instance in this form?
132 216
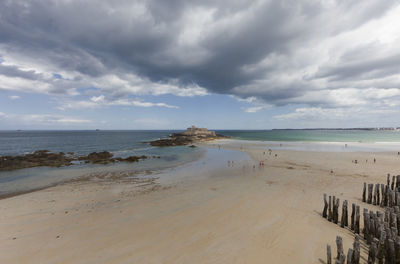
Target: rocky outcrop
185 138
46 158
38 158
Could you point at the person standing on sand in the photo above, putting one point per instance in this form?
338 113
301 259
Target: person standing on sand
374 160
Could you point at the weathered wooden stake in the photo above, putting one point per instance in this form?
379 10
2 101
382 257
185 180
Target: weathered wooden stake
370 186
393 178
391 253
350 256
381 252
324 214
353 209
378 194
397 250
330 209
336 211
344 219
339 246
364 192
356 250
328 254
372 251
357 224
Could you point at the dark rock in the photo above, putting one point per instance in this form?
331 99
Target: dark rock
36 159
46 158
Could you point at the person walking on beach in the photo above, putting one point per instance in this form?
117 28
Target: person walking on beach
374 160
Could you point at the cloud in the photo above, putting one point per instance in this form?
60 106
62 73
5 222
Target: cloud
42 119
319 114
102 101
14 97
279 52
254 109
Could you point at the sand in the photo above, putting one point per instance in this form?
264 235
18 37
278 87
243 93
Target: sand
226 215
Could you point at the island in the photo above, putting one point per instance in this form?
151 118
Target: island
190 136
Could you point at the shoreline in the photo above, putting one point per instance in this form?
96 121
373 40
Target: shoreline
211 211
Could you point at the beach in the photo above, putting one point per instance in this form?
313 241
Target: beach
222 212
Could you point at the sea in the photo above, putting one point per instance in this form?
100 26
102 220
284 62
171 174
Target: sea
127 143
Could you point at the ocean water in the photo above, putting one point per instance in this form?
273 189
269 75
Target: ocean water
366 136
121 143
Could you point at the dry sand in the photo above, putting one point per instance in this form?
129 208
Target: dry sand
231 215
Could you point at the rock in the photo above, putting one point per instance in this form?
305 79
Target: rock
98 157
47 158
36 159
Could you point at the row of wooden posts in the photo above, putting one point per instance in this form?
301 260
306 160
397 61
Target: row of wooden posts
331 212
353 254
380 231
390 193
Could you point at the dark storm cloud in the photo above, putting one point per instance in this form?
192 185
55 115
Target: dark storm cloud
13 71
367 69
147 38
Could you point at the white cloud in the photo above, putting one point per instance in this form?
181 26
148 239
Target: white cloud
321 114
254 109
102 101
14 97
43 119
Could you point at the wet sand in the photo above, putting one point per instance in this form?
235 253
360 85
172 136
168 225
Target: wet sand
209 214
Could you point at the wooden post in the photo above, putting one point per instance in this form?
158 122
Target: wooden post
374 202
391 253
370 186
397 250
344 220
346 217
366 226
393 178
356 250
398 198
339 246
378 196
330 209
387 215
336 211
353 209
364 192
383 195
393 220
350 256
388 179
357 224
328 254
397 181
324 214
381 248
372 251
386 195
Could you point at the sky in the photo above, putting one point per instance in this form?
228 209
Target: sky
229 64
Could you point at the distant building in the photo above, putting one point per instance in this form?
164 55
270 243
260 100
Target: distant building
195 131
